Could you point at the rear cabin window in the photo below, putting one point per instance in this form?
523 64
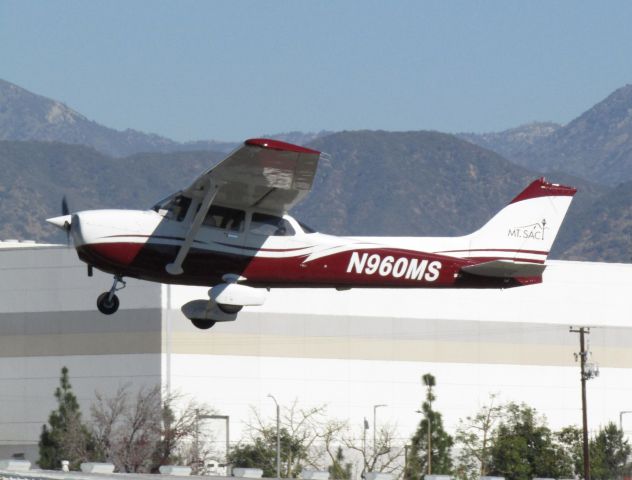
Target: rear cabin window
225 218
270 225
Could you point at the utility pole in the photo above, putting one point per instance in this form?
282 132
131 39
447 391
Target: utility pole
588 371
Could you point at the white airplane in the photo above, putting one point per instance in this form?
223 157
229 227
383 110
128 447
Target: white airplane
230 230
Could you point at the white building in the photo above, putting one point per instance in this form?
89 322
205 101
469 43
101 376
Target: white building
348 349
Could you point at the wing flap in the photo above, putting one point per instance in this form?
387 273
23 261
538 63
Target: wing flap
505 269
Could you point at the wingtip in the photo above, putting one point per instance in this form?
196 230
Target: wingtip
279 145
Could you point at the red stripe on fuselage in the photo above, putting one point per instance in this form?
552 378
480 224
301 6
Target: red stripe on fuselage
122 254
373 268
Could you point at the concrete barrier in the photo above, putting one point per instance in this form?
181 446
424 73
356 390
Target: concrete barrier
437 477
378 476
247 472
176 470
308 474
13 465
97 467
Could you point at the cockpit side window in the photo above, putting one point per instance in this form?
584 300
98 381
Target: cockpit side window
225 218
174 207
270 225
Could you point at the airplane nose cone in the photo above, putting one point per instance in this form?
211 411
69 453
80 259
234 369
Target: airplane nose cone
63 221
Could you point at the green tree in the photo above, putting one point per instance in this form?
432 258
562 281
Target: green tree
258 454
307 438
609 452
474 437
570 440
339 469
65 437
524 447
261 453
431 444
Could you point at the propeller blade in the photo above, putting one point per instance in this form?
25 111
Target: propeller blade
64 206
64 221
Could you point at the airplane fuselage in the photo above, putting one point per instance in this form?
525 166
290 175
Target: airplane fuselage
141 244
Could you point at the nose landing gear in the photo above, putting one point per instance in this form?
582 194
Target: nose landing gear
108 302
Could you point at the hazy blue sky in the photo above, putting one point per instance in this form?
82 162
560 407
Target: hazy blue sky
230 69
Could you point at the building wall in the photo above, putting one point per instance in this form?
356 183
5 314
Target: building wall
355 349
350 349
48 319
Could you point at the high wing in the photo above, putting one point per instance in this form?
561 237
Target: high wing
268 174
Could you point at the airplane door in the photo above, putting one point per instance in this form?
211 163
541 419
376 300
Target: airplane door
224 229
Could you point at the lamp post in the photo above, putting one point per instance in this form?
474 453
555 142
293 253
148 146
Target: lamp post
364 463
621 418
278 446
375 407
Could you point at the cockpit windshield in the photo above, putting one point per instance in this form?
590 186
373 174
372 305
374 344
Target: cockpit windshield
174 206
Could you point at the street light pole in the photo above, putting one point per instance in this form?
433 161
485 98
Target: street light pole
375 407
278 445
621 418
364 463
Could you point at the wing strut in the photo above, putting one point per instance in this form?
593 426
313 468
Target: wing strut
175 268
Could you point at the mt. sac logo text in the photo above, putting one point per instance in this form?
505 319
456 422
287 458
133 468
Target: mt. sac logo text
533 231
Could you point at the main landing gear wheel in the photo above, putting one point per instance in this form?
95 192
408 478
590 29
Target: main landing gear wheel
202 324
108 302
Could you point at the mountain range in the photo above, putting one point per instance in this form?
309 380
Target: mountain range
596 145
27 116
371 183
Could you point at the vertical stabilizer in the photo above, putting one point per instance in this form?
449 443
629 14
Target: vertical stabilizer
525 229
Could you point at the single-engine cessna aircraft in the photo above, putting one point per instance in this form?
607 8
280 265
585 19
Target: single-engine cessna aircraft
229 230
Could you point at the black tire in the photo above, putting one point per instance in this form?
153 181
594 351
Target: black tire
229 309
202 324
106 305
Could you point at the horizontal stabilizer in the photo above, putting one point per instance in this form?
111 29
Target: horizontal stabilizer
505 269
